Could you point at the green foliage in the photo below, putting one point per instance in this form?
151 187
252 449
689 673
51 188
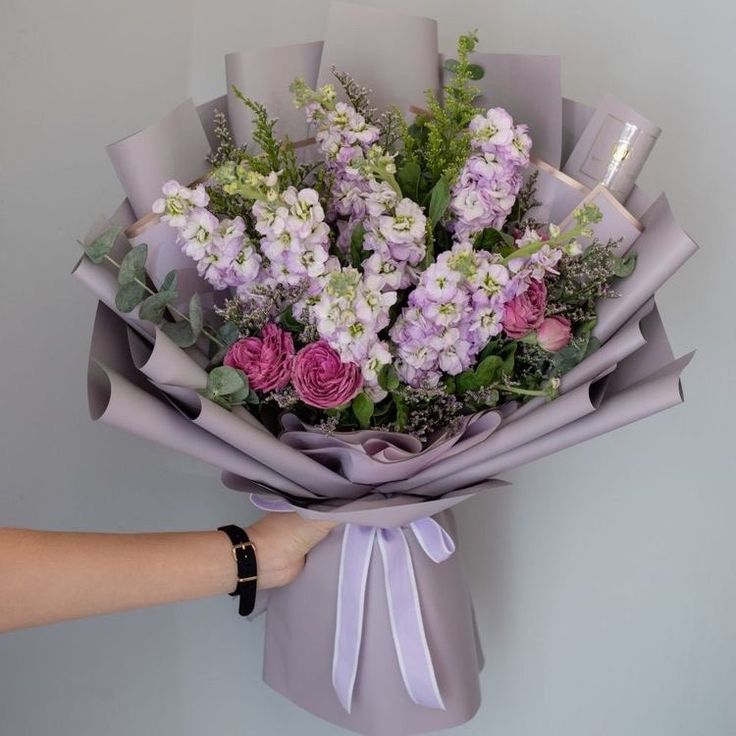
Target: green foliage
129 296
132 266
439 201
363 409
153 307
227 387
408 177
494 241
447 136
388 379
356 245
101 246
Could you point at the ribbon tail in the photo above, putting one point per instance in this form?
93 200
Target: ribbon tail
407 625
355 559
437 544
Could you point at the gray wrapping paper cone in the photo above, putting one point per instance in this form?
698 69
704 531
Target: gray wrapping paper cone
530 88
394 55
206 112
264 75
298 661
661 249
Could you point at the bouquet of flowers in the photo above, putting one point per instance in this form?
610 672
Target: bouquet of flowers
365 309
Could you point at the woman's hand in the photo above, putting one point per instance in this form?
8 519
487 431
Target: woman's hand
282 541
47 577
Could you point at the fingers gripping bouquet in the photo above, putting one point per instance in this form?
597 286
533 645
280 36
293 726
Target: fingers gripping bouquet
366 309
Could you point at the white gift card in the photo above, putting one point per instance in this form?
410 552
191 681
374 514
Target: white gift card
613 148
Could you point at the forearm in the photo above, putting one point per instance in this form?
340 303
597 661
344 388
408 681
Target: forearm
53 576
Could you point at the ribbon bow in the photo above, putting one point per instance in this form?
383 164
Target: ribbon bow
405 614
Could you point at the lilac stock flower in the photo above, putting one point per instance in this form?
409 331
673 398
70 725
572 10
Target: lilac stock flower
486 189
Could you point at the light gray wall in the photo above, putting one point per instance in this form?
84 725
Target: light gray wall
603 578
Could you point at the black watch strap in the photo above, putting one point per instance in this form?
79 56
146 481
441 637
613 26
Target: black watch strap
244 552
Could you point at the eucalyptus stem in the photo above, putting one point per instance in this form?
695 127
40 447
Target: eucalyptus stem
210 335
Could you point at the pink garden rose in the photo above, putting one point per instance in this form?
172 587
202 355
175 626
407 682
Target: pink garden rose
525 311
266 360
554 334
321 379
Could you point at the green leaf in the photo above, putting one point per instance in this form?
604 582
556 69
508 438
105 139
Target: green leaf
402 412
493 241
102 245
623 267
408 177
228 333
356 245
169 282
451 65
466 381
132 266
180 333
476 72
363 409
489 370
388 379
154 306
439 200
224 380
129 296
289 322
196 321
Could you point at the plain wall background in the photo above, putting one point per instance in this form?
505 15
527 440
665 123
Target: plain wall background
604 578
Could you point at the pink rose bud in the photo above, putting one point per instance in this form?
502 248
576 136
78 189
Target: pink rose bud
554 334
321 379
266 360
525 312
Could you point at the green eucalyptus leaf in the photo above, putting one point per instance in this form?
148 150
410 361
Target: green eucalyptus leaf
476 71
102 245
363 409
224 381
439 200
196 321
408 177
154 307
228 333
623 267
180 333
132 265
169 282
129 296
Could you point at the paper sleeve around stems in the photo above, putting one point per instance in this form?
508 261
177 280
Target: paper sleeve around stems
175 147
393 54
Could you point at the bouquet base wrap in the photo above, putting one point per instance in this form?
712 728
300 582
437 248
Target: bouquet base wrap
301 622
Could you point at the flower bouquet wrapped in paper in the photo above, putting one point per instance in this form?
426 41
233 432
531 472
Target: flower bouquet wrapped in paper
369 307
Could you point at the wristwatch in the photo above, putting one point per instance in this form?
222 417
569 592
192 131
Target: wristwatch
244 552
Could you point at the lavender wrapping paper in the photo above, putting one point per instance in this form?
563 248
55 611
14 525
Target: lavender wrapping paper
139 381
